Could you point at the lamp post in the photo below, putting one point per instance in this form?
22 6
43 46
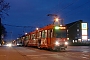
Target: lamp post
54 15
56 19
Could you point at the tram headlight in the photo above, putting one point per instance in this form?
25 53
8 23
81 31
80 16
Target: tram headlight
66 43
57 43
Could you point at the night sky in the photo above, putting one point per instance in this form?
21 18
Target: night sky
33 13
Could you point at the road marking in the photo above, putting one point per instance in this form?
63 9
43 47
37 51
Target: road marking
41 54
85 58
36 56
49 54
85 52
85 55
32 55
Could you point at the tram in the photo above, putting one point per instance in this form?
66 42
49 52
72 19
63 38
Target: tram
51 37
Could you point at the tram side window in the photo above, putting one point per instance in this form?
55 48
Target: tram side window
23 37
51 33
27 38
43 34
48 33
36 35
33 36
39 34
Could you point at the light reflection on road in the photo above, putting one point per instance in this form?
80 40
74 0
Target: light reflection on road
79 48
29 53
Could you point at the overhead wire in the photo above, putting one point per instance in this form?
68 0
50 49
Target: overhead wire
66 6
76 8
70 4
24 30
19 26
34 27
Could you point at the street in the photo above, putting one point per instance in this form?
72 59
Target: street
28 53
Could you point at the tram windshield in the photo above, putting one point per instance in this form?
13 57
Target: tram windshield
60 33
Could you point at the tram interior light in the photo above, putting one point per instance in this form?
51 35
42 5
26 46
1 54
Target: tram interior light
60 27
57 27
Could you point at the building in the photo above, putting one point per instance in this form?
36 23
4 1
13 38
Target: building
77 31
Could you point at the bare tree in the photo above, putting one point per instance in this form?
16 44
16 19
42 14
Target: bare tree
4 7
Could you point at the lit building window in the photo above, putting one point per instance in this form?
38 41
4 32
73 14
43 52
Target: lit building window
84 37
79 40
78 30
76 41
67 30
84 32
73 41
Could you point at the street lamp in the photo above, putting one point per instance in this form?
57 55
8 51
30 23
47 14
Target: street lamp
37 28
56 19
25 33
